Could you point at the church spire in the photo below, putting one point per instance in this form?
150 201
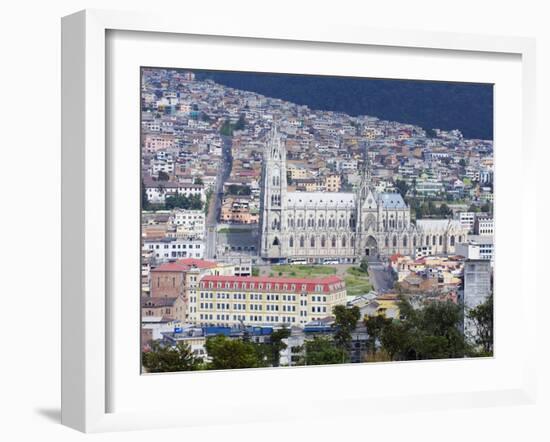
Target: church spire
275 146
366 173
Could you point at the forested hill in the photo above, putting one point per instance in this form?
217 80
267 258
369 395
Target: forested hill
443 105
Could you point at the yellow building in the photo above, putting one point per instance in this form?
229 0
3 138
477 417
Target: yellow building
231 300
333 183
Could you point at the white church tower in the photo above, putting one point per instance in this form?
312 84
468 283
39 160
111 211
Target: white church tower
272 205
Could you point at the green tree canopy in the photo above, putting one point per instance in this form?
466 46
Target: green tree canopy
375 325
323 351
162 359
183 202
402 187
345 321
482 319
144 199
431 332
229 353
277 345
163 176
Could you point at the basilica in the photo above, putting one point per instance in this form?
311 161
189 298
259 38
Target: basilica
340 227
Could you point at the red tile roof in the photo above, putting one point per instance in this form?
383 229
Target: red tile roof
328 283
182 265
200 263
395 257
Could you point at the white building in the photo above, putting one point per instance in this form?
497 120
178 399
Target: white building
477 247
167 249
467 220
157 191
477 288
484 225
189 222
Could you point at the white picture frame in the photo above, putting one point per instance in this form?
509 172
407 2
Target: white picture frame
85 232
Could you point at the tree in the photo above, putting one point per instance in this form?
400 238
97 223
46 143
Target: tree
432 332
183 202
442 320
236 189
227 128
162 359
402 187
395 339
487 207
240 124
229 353
199 181
277 345
323 351
364 266
482 319
375 325
144 199
163 176
345 321
462 163
445 211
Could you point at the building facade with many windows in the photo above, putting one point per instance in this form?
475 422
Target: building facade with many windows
278 301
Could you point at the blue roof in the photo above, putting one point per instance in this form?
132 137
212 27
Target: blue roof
392 201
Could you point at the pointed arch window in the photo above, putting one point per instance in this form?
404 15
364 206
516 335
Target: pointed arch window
333 241
433 240
405 241
276 241
394 241
352 241
323 241
302 241
312 241
414 241
440 240
387 242
291 242
452 240
343 241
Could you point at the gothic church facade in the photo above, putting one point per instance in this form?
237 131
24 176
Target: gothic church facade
317 227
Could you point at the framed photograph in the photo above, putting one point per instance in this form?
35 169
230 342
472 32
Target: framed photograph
302 220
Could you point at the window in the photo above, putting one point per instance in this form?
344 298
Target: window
302 241
452 240
291 242
343 241
333 241
404 241
394 242
323 241
312 241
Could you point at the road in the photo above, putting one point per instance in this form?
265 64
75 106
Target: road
214 209
380 277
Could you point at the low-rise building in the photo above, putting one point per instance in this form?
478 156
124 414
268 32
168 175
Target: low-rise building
333 183
189 222
172 307
484 225
166 249
477 247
